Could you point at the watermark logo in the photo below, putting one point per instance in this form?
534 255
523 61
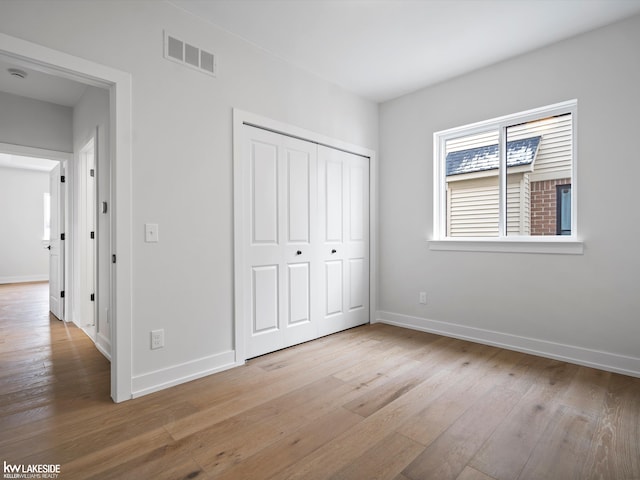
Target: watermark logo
39 470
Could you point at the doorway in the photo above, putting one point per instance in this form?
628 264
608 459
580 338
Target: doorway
118 83
29 200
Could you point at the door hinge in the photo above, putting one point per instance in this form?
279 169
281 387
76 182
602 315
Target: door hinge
62 236
93 297
113 258
62 294
62 178
92 173
92 235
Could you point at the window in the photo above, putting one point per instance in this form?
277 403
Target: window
508 179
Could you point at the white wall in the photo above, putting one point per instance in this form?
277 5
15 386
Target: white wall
91 120
33 123
588 303
182 159
30 123
23 257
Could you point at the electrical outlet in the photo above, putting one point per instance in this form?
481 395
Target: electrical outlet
157 339
422 298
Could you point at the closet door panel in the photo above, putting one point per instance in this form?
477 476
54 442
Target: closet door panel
343 199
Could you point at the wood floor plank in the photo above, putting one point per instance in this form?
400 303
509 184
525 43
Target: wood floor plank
470 473
338 453
64 446
270 461
395 387
587 390
562 448
171 460
218 448
615 450
383 461
254 406
448 455
438 415
99 458
505 453
400 476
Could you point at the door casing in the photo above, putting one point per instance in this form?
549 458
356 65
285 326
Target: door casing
119 84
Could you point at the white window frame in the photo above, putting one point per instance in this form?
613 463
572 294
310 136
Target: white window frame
562 244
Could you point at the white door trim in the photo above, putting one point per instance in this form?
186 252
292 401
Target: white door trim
241 118
119 85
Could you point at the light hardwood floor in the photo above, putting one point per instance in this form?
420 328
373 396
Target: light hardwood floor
375 402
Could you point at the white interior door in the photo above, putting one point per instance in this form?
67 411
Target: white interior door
280 175
87 239
56 249
343 204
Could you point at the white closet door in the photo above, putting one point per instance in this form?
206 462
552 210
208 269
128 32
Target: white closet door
280 179
343 206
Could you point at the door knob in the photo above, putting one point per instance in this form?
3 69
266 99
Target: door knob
333 251
48 247
299 252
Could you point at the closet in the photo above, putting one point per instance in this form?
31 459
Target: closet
305 240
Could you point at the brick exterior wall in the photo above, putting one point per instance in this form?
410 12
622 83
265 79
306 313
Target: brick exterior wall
543 206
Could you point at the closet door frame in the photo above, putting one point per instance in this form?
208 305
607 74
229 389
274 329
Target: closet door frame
240 119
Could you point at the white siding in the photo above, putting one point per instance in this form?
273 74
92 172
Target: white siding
525 202
554 154
473 209
518 205
472 141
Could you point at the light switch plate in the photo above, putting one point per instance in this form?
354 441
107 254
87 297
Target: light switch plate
151 233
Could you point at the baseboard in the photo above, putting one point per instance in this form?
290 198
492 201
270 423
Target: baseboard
103 344
185 372
44 277
568 353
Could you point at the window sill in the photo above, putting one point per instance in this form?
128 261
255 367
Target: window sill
555 246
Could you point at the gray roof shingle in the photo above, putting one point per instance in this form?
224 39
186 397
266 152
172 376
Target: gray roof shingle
519 152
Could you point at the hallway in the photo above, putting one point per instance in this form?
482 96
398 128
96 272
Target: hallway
47 365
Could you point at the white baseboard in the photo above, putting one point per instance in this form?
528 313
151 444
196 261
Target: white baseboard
185 372
44 277
568 353
103 344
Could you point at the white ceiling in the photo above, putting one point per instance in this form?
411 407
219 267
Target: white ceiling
39 85
382 49
27 163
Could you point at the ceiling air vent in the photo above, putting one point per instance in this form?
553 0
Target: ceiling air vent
189 55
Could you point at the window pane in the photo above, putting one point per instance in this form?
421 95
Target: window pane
472 187
563 199
538 161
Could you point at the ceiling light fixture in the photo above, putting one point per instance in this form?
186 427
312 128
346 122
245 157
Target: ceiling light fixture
15 72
